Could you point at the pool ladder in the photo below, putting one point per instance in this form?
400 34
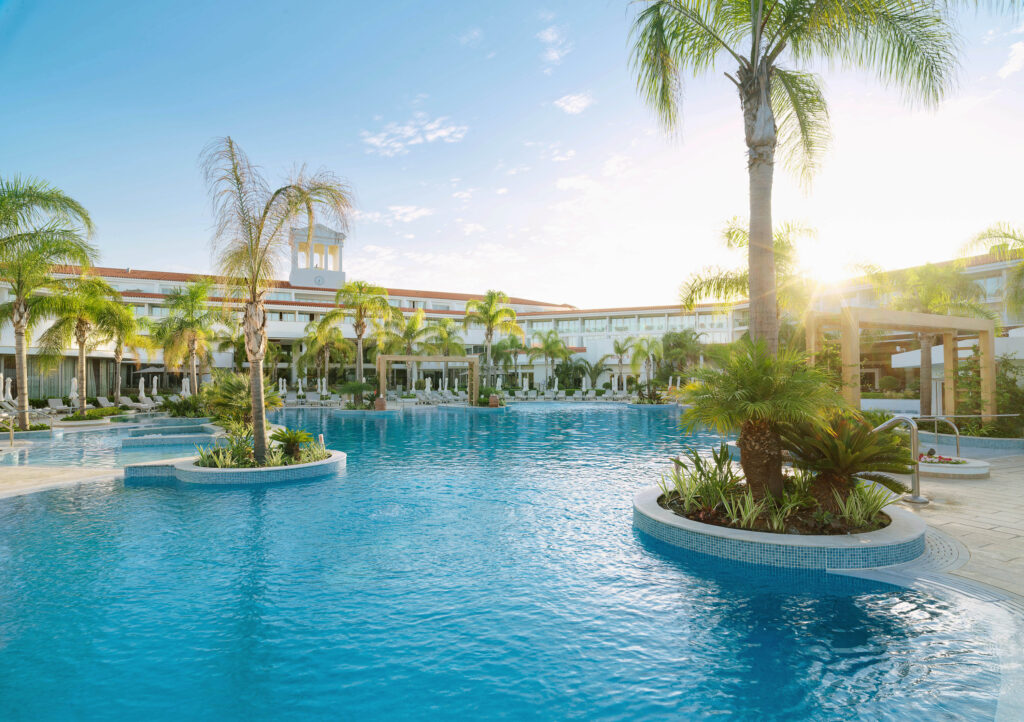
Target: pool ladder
915 485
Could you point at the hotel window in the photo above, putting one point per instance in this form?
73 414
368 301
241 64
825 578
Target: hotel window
624 324
139 310
652 323
279 296
441 306
993 286
541 326
280 316
571 325
395 302
167 290
158 311
688 321
741 318
595 325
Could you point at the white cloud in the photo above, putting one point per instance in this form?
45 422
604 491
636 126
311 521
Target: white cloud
464 195
408 214
396 138
471 37
556 47
1014 63
501 191
574 103
616 165
471 228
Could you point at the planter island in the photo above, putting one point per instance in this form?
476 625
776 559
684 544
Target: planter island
185 471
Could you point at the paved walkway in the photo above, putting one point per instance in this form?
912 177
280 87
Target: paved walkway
986 516
17 480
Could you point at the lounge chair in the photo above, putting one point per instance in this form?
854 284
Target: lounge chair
58 405
158 398
125 401
532 395
520 395
571 396
312 398
559 395
588 395
174 398
291 398
105 403
40 415
549 395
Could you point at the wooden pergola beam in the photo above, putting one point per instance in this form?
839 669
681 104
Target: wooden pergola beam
473 363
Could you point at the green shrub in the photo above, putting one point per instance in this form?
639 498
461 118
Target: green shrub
93 414
189 407
229 396
889 383
863 503
291 440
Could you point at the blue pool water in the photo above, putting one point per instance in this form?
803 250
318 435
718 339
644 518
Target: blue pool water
93 449
463 567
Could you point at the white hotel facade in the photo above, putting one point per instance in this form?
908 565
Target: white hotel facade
317 272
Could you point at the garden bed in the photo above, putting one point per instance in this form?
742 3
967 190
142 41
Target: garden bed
186 471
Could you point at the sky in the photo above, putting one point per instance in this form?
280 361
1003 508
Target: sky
488 145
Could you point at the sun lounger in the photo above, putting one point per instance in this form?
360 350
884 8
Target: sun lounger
312 398
125 401
104 402
291 398
571 396
58 405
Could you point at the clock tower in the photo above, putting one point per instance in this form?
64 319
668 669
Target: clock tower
317 264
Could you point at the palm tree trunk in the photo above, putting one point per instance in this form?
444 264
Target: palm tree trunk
487 356
193 374
118 357
21 373
256 348
358 396
82 376
927 340
761 457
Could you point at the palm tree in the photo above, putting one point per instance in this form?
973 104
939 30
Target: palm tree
931 289
647 351
80 316
791 286
492 313
760 394
620 348
41 228
190 326
1006 243
324 341
907 44
595 369
125 331
549 346
364 304
231 340
506 352
252 243
409 334
682 348
446 341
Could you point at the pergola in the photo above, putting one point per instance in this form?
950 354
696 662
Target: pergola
473 361
851 320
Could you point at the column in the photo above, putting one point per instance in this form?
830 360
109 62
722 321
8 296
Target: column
850 340
987 348
949 366
811 338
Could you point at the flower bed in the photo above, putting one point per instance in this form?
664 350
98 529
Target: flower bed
939 459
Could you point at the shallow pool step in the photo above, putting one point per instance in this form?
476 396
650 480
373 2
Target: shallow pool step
171 440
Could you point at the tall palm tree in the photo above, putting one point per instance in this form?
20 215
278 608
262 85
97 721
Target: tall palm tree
189 328
930 289
126 332
231 339
325 341
507 351
252 243
446 341
770 42
80 317
41 228
621 347
647 351
365 305
493 314
410 334
595 369
549 346
792 287
682 348
1006 243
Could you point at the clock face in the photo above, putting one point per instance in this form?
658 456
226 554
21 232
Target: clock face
319 280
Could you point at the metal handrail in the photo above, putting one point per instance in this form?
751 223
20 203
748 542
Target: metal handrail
947 420
915 451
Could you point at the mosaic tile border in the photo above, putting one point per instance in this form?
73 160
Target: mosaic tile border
186 472
902 541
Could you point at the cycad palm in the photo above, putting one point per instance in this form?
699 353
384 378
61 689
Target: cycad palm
759 394
931 289
731 284
80 317
190 326
493 314
365 305
251 241
446 340
40 228
909 44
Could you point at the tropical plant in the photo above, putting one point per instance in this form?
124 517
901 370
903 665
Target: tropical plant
910 45
506 352
291 440
700 483
231 339
365 305
188 406
187 331
323 342
621 347
681 349
741 509
860 507
252 242
409 335
445 340
930 289
846 449
493 314
1005 242
80 314
759 394
647 352
229 396
126 332
792 287
549 346
593 370
41 229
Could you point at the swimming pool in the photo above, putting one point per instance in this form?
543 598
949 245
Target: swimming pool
93 449
466 566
